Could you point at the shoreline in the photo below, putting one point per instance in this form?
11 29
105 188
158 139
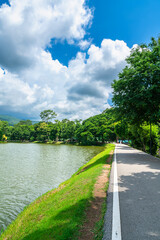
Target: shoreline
57 143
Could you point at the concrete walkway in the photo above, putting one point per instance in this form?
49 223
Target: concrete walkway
139 196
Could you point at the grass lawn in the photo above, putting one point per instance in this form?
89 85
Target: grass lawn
60 213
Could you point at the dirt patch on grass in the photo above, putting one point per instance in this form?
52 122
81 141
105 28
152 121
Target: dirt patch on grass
93 214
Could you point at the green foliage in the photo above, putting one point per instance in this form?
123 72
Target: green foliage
25 122
136 95
67 129
97 129
21 132
11 120
94 130
47 115
137 92
121 129
4 128
140 136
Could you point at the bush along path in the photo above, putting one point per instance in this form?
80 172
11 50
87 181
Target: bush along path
75 210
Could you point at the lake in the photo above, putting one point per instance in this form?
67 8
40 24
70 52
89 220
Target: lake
28 170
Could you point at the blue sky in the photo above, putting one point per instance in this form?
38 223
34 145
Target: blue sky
63 55
133 21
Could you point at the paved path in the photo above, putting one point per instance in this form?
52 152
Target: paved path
139 195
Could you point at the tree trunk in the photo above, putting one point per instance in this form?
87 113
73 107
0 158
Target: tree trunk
150 138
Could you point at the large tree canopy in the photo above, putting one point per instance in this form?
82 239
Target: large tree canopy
136 94
47 115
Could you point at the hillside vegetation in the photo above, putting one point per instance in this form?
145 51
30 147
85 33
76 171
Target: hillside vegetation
11 120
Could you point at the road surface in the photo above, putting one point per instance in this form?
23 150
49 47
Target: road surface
138 177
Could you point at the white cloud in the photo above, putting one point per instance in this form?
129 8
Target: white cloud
98 70
81 89
1 73
15 93
84 44
28 26
32 81
104 63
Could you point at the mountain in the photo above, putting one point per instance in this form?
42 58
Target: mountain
11 120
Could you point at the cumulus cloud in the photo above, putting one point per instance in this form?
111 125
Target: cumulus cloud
18 94
77 91
104 63
28 26
84 44
90 76
31 81
93 75
84 90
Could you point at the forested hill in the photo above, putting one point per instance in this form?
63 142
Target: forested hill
11 120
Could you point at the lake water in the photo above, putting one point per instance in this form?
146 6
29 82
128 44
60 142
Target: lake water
29 170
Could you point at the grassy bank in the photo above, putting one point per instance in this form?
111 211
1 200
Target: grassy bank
60 213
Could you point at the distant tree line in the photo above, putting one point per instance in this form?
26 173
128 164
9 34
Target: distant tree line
95 130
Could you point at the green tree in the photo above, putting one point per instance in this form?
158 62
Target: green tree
136 94
121 130
43 130
3 126
56 131
20 132
25 122
47 115
140 136
1 134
